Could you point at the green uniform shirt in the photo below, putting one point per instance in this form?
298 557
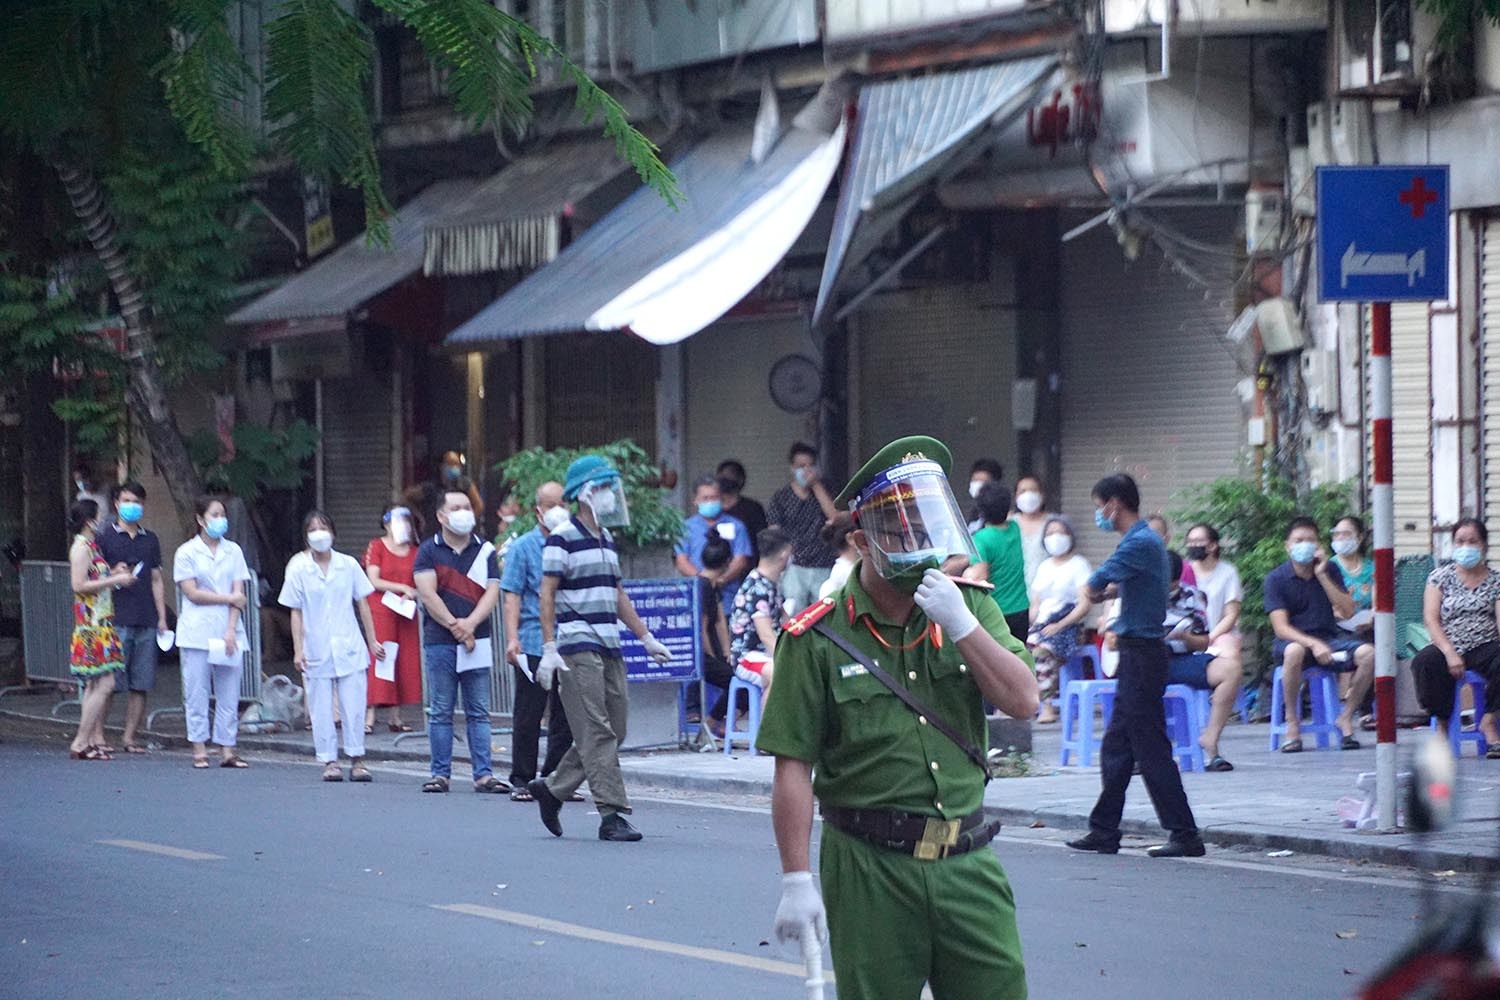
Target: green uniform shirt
868 750
999 545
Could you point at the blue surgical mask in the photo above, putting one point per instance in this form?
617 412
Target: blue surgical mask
1304 552
1102 520
216 527
1468 556
710 509
131 512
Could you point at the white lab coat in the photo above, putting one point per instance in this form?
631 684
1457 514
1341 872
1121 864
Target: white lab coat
215 570
333 640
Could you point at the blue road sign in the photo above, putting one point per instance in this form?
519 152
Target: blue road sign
670 610
1382 233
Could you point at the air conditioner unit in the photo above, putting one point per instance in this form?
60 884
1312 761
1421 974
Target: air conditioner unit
1338 134
1280 329
1384 47
1320 377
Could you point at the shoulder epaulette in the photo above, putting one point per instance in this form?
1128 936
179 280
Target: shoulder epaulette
965 582
810 616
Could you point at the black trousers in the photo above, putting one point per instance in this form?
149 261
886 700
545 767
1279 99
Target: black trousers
1435 684
526 729
1137 733
718 672
1020 623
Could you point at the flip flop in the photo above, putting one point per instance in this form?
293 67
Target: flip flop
399 727
491 784
1349 743
521 793
135 748
1292 746
201 762
1493 753
1218 764
436 783
234 763
369 730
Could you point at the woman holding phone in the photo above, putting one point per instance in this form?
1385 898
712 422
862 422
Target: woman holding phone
211 573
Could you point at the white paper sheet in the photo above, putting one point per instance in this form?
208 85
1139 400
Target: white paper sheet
524 662
165 639
218 654
403 606
479 659
385 670
1359 621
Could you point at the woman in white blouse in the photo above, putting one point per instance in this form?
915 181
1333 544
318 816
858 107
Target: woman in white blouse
1220 583
211 574
1057 608
333 639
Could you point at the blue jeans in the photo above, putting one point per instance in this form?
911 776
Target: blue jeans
443 685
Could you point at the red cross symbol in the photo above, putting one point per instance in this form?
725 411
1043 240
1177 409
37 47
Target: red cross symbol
1418 197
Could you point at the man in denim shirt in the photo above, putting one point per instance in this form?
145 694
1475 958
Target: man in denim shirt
1137 731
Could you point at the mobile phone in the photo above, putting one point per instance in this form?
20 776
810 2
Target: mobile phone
138 567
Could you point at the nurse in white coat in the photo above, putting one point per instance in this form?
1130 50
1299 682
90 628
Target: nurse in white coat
333 638
210 572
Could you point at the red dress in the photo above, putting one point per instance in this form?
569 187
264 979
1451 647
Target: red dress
391 627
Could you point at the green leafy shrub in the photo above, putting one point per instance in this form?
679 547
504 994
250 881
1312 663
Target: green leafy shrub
653 522
1251 517
263 459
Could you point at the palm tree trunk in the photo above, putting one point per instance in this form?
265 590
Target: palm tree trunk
145 386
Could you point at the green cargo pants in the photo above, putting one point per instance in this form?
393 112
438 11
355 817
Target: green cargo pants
895 922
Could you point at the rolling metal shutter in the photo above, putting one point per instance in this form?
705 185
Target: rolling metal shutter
1148 378
935 361
1411 427
357 480
1489 331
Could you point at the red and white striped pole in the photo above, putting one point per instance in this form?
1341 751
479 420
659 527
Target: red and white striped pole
1385 566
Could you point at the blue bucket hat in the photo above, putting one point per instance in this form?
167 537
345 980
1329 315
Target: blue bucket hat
586 470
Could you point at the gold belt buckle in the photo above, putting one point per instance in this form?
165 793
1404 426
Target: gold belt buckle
937 837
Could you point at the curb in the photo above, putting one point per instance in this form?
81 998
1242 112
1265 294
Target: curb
1368 848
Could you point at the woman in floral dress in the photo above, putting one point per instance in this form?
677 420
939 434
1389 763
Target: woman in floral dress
96 653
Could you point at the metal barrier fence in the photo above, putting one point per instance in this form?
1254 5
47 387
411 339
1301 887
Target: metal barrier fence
47 626
502 686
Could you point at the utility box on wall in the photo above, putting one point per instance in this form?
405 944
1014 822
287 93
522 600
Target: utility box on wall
1320 378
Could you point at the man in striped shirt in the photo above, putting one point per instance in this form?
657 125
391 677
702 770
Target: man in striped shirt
582 606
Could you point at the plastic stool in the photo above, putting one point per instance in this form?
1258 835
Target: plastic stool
1078 702
1180 702
1085 659
1457 734
748 735
1325 705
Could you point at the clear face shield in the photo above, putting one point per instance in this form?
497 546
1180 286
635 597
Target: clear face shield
911 522
399 521
607 501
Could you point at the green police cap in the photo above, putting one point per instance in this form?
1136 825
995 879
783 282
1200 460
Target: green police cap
898 451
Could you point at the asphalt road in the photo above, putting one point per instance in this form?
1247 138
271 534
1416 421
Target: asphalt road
145 878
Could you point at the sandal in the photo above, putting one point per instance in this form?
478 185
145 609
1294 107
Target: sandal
521 793
1349 743
135 748
398 727
359 772
436 783
369 730
97 753
491 784
1292 746
104 748
1493 753
1218 764
233 763
200 762
332 771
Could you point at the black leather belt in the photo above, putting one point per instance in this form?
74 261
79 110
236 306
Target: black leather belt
924 837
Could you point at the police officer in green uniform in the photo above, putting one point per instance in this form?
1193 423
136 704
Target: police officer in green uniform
915 895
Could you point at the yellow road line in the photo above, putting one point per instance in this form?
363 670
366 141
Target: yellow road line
164 849
629 940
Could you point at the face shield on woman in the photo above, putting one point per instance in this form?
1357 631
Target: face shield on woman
911 522
607 500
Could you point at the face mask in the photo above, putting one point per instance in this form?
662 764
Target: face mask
710 509
907 568
1197 553
1029 502
508 519
1345 546
217 527
82 488
555 518
461 522
131 512
1058 545
975 485
320 541
1304 552
452 473
800 475
1468 556
1102 520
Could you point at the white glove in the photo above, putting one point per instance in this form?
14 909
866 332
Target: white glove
655 648
942 601
800 915
552 664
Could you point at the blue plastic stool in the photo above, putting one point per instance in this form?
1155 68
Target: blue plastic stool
1077 668
1183 710
687 729
1457 734
1325 708
748 735
1078 702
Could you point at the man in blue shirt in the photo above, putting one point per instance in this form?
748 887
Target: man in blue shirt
708 518
1305 598
1137 732
521 584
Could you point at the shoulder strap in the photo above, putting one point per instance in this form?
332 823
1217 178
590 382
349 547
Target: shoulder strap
907 698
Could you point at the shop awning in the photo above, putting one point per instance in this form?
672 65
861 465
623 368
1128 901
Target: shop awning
323 296
514 219
910 133
664 273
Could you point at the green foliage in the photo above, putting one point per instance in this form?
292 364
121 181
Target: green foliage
1251 518
264 459
203 76
652 522
1456 18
